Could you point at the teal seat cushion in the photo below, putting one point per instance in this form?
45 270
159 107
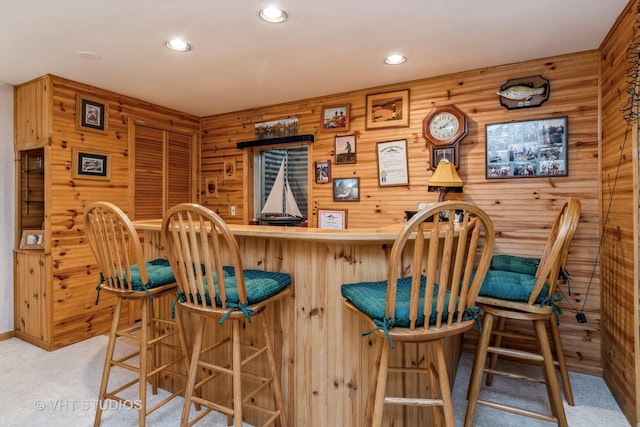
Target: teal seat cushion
159 272
371 299
510 286
515 264
260 285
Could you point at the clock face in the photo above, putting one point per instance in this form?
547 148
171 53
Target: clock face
444 126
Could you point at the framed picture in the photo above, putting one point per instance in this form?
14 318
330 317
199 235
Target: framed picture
439 153
335 118
230 170
92 114
346 189
32 239
90 164
393 167
345 149
387 110
323 172
334 219
276 128
527 149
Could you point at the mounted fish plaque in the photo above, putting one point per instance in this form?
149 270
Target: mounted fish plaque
524 92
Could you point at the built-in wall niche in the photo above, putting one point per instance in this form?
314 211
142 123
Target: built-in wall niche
31 192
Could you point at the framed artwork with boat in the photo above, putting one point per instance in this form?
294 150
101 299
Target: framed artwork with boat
281 207
346 189
527 149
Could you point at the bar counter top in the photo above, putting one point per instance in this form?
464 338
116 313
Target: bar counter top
380 234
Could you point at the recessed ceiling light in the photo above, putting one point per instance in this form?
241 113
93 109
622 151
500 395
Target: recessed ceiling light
395 59
178 45
273 14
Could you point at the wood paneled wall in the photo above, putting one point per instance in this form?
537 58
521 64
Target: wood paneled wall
522 209
620 251
45 110
75 315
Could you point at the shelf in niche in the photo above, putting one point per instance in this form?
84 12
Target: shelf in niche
274 141
37 170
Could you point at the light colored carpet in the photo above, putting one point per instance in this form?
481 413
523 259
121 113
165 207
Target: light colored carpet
59 389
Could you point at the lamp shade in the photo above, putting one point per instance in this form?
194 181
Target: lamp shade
445 176
444 179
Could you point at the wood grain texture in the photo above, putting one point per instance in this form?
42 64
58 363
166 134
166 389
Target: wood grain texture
45 117
619 270
522 209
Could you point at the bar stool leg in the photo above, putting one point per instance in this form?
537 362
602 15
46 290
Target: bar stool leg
152 349
432 376
478 369
193 372
562 363
237 374
111 345
144 358
497 342
551 378
381 384
373 380
445 389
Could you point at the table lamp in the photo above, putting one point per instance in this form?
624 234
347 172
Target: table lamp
444 179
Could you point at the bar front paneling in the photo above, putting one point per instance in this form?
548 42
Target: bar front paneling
324 359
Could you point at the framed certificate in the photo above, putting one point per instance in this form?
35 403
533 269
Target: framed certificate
392 163
332 219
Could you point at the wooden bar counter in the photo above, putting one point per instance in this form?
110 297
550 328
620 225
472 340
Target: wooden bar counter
324 359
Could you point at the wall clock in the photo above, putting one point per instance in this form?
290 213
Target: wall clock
444 126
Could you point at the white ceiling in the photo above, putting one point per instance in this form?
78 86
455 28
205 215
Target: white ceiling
327 46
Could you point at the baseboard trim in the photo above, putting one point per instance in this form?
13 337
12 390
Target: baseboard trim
7 335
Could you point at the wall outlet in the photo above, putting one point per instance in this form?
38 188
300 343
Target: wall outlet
232 208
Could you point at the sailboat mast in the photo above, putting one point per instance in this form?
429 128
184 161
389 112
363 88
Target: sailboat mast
285 163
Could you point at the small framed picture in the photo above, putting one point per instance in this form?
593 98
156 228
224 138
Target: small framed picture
90 164
387 110
92 114
323 172
335 118
440 153
32 239
346 189
334 219
345 149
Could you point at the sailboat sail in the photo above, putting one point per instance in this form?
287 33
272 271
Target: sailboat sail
281 201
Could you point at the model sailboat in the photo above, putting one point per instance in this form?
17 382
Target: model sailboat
281 207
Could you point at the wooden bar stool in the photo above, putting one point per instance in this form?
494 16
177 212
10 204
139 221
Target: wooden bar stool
429 295
207 263
125 275
516 295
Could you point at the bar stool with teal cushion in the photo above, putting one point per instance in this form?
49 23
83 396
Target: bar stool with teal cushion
207 263
434 273
125 274
524 289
